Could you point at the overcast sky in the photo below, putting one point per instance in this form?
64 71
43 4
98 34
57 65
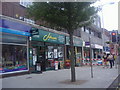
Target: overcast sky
109 14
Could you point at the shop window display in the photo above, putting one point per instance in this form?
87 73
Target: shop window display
14 58
55 53
50 57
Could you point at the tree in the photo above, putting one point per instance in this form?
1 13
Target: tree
67 15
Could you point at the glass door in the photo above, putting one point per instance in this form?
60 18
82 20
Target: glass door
41 57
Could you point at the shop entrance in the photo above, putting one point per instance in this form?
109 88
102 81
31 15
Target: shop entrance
39 54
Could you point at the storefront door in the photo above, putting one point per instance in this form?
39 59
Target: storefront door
41 57
39 54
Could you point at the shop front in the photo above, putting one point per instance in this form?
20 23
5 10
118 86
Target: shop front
14 44
47 48
78 43
97 51
87 52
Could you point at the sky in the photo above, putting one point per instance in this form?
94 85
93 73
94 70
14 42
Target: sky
109 14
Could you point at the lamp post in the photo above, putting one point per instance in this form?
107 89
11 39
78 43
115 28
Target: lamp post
91 57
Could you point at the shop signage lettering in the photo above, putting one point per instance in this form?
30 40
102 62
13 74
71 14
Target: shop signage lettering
34 31
98 46
46 37
76 41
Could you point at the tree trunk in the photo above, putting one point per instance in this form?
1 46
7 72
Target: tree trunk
72 58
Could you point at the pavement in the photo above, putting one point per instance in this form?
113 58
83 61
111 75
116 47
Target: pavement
115 83
102 78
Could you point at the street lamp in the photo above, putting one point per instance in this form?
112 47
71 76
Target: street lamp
91 57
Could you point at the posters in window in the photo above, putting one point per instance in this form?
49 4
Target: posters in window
34 60
60 52
50 54
55 53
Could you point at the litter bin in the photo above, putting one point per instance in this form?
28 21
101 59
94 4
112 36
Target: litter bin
56 65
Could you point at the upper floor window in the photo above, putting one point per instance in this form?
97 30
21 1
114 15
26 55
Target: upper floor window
92 33
82 29
25 3
95 34
77 32
99 35
97 22
87 30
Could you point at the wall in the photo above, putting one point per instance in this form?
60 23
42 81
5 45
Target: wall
94 40
13 9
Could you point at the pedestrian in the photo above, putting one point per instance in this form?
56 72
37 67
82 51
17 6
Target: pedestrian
115 60
105 60
110 59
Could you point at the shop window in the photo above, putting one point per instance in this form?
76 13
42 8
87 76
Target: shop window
14 58
50 52
60 52
90 31
10 38
68 52
99 35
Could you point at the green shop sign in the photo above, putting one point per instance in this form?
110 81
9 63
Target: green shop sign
49 37
77 41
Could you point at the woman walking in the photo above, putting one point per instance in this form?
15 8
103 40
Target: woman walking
110 59
105 60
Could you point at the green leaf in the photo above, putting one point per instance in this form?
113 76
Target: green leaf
67 15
